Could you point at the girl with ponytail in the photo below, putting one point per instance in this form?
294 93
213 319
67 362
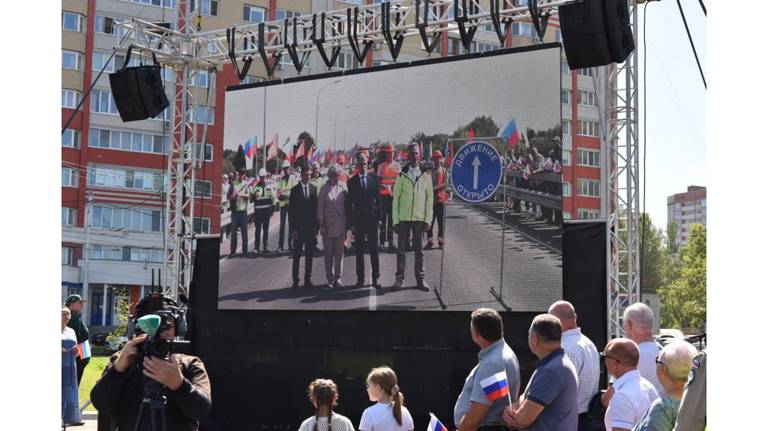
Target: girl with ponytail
389 413
323 395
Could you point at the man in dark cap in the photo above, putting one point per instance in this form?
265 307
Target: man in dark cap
75 305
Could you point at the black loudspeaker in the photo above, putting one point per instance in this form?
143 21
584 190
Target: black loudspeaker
596 32
138 91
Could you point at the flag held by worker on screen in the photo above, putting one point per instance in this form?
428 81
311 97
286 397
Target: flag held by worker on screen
511 133
251 145
496 386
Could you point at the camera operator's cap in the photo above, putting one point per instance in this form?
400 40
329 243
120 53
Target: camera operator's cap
71 299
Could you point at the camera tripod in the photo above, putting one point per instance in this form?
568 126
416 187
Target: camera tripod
156 401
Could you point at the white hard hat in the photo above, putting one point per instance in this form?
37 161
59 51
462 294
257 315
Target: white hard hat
262 172
316 165
286 164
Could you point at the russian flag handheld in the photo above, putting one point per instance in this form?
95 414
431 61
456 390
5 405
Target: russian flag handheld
495 386
435 424
511 133
84 350
251 145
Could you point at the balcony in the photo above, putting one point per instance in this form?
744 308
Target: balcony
120 272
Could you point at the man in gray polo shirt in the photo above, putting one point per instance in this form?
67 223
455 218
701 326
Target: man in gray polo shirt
550 399
474 411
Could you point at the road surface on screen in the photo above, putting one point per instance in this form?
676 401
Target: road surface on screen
439 105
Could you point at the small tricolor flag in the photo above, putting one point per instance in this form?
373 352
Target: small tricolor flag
512 134
435 424
251 145
496 386
272 151
84 350
471 134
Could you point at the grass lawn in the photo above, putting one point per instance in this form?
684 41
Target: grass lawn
90 376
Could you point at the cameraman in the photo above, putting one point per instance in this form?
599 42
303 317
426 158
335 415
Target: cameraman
119 392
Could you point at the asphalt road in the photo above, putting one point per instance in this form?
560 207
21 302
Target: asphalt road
471 264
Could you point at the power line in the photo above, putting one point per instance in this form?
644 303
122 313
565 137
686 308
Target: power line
690 39
703 8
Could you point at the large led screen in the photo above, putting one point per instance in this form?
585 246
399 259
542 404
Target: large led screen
488 234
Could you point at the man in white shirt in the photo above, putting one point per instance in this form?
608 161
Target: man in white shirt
582 353
633 394
638 325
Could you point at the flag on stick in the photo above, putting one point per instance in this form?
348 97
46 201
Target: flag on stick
272 153
511 133
251 146
496 386
435 424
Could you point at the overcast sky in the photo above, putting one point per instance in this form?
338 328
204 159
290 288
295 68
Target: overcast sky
394 105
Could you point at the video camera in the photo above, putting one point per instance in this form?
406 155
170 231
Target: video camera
154 315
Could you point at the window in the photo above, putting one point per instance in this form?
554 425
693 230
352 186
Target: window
587 214
588 158
564 69
135 254
201 225
281 14
483 47
558 37
346 60
566 157
68 216
252 79
566 188
102 102
67 254
524 29
203 189
168 4
69 177
567 215
70 138
206 7
586 72
72 22
203 78
71 60
567 127
587 98
69 98
126 219
106 252
208 155
456 47
99 59
125 178
128 141
589 188
588 128
202 114
104 24
565 96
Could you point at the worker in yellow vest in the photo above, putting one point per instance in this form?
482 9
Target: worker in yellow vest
284 186
388 171
438 206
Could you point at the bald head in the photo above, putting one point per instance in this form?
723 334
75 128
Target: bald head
638 322
623 350
564 311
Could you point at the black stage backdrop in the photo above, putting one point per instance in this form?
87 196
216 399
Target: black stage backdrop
260 362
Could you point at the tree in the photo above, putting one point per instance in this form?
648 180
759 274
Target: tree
672 237
239 160
653 257
121 315
227 166
483 127
684 299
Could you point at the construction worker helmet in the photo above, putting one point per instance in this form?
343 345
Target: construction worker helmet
316 165
262 172
437 154
389 148
286 164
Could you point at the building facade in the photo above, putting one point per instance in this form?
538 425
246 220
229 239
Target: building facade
114 173
686 209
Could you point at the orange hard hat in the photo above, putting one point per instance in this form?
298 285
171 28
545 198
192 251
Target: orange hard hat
389 148
437 154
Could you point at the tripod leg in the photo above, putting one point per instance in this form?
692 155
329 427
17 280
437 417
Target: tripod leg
153 423
138 417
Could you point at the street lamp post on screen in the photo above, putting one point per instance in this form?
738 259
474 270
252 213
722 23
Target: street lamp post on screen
317 104
335 118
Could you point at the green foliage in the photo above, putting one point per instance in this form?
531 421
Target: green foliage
672 237
654 256
684 299
227 162
122 316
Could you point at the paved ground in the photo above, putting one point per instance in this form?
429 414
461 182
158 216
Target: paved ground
471 264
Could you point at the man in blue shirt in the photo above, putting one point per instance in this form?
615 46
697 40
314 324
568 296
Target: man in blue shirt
474 411
550 399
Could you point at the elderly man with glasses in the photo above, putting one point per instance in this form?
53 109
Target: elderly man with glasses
633 394
672 368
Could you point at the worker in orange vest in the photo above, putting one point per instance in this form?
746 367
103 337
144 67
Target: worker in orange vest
441 197
388 170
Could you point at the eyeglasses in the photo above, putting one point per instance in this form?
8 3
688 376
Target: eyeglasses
604 356
659 362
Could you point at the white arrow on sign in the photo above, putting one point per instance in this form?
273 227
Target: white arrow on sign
476 165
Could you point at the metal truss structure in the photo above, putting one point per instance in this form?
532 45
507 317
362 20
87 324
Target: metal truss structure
189 50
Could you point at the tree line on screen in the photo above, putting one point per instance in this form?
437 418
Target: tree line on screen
482 126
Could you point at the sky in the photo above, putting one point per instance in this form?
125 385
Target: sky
393 105
676 103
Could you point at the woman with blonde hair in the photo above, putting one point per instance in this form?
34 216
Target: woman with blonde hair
323 394
389 413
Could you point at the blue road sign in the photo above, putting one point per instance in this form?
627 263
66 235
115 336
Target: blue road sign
476 171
